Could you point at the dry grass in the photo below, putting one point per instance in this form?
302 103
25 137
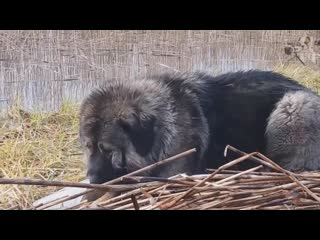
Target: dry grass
46 146
303 74
40 146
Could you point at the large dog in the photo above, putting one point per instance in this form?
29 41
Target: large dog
127 125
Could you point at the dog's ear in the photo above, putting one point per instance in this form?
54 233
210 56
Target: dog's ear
140 129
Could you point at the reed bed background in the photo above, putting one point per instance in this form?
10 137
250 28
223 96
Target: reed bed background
45 68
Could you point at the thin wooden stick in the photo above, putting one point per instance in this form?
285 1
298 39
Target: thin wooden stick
228 171
37 182
170 159
158 179
135 203
238 175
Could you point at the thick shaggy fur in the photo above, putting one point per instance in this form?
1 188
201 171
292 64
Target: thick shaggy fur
127 125
293 132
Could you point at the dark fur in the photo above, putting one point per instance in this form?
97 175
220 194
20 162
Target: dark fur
140 122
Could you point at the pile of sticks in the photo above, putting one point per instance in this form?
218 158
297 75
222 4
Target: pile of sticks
222 188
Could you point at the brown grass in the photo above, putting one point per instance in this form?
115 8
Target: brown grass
303 74
40 146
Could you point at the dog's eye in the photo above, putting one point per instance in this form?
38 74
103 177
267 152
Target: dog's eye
105 151
125 125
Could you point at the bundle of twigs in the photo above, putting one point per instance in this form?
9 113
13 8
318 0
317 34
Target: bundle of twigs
221 188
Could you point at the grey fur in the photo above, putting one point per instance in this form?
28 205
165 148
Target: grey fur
293 131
